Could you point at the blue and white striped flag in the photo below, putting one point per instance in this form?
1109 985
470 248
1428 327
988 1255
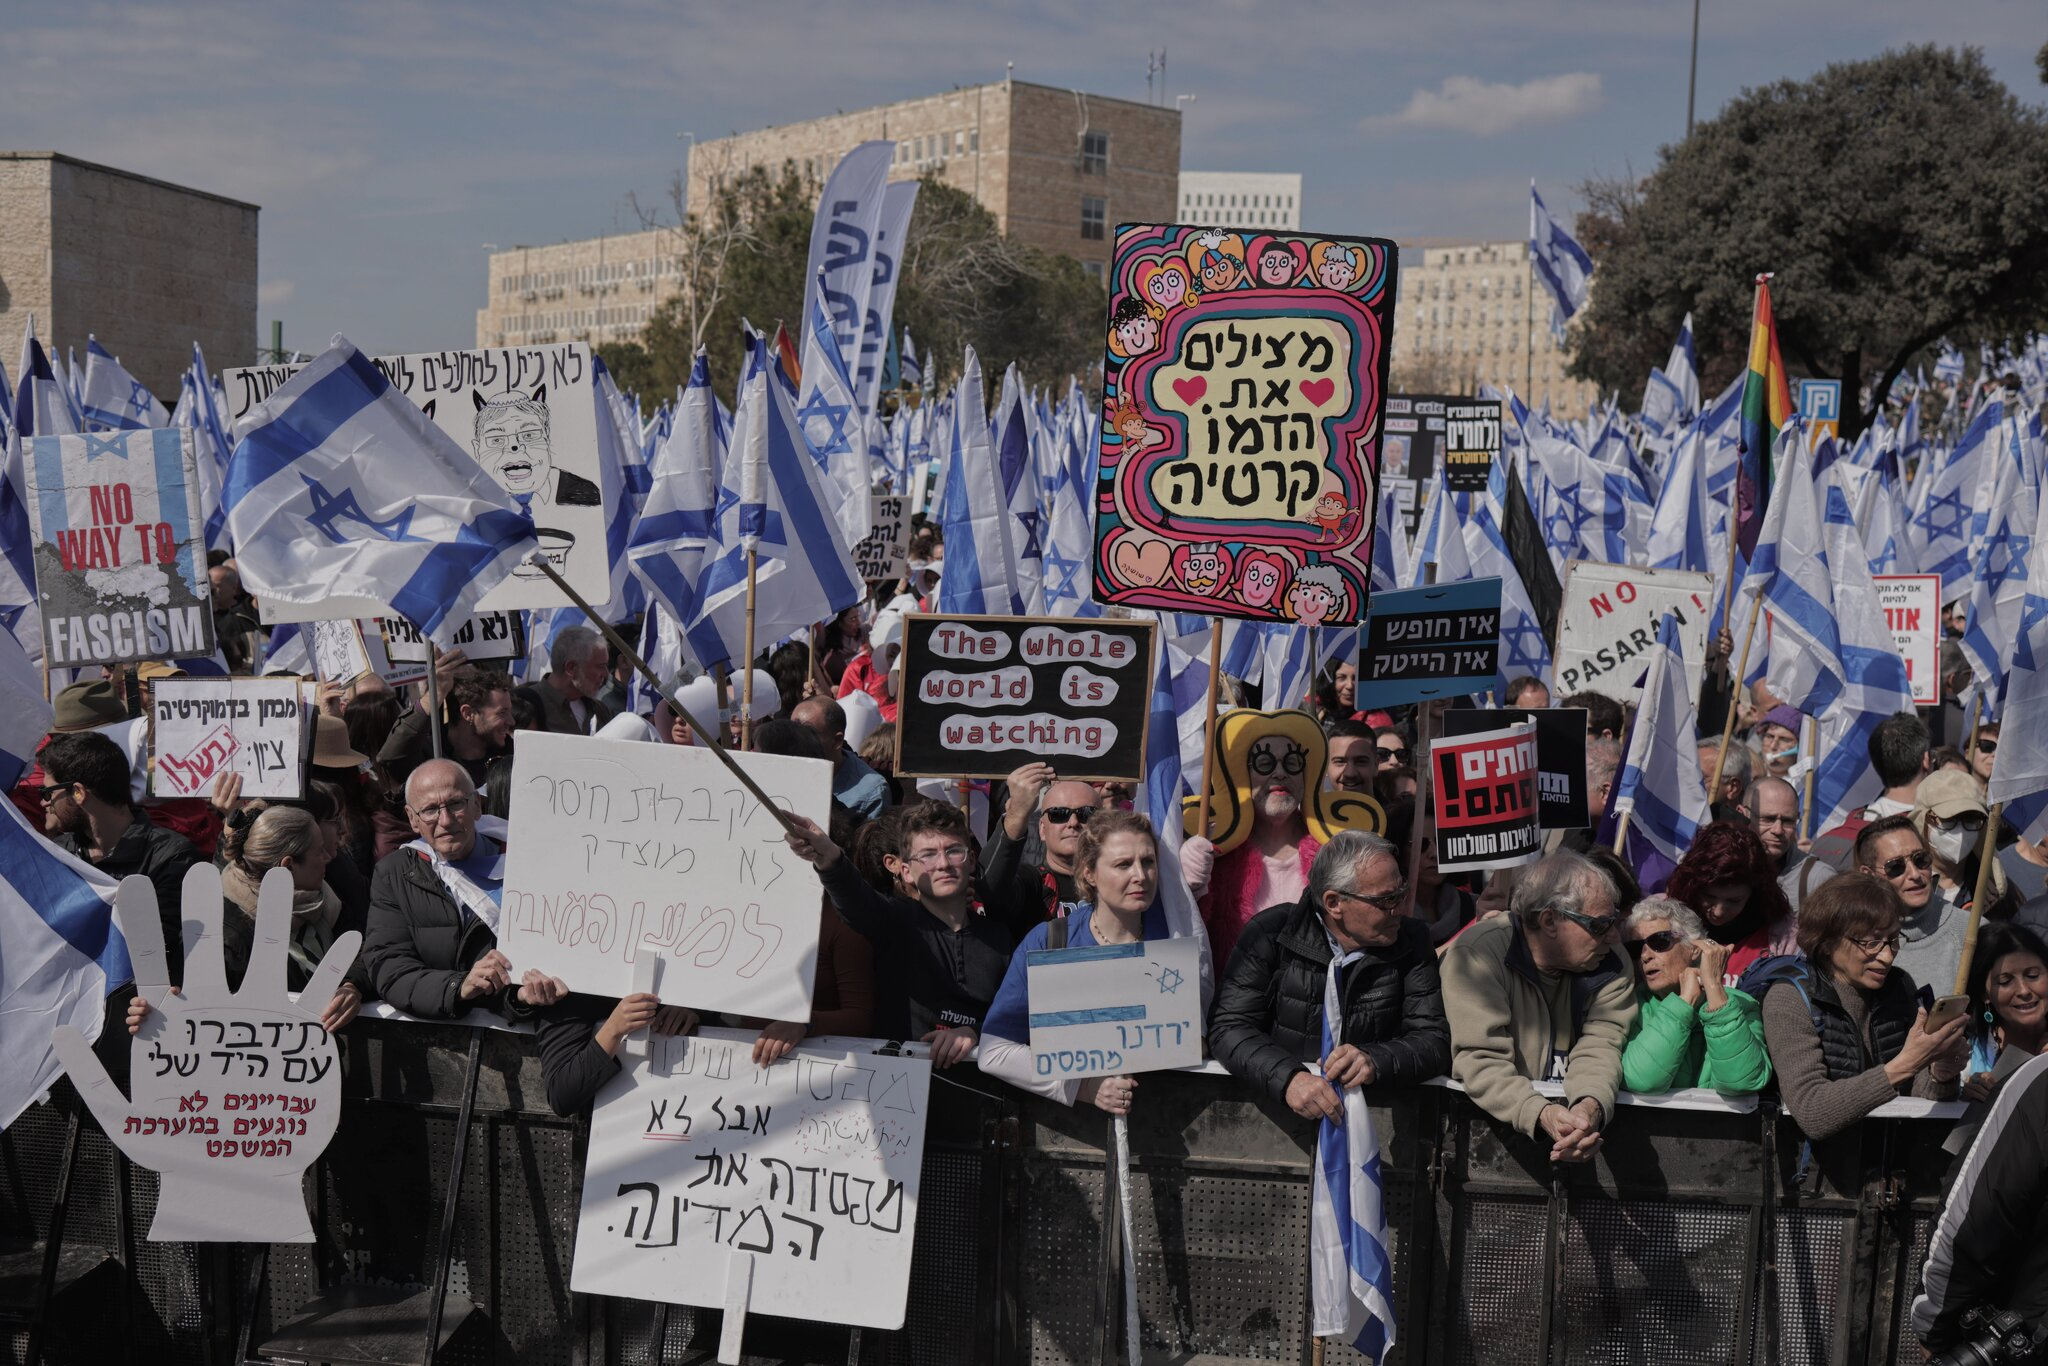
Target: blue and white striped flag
1561 263
1069 548
1011 433
41 407
26 716
973 515
678 528
342 487
1351 1274
1949 364
1678 530
111 399
829 417
211 446
1667 795
1955 502
913 372
1178 684
2019 770
618 449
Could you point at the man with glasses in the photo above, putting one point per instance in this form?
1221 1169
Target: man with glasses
1023 892
1772 806
1267 1023
1930 926
1542 994
432 938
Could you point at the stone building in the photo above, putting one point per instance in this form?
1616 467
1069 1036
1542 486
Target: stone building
1241 199
146 266
600 289
1471 313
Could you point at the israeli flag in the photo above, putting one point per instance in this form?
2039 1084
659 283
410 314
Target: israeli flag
1682 371
341 487
27 716
41 407
618 448
678 526
1179 683
199 410
974 515
113 400
2019 771
913 372
1999 575
1668 797
1955 506
1948 366
1069 583
829 417
1561 263
1351 1275
1678 529
1011 432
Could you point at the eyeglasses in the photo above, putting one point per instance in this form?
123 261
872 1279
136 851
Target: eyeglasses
433 814
1663 941
951 854
1060 815
525 436
1386 901
50 790
1599 928
1895 868
1293 762
1985 746
1787 821
1871 948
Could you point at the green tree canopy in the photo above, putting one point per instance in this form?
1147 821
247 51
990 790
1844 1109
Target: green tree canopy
1897 201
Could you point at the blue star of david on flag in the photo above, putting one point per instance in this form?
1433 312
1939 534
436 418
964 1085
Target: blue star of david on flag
1944 515
824 426
97 446
328 508
1067 571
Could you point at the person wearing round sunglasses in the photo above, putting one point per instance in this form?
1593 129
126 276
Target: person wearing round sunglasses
1691 1030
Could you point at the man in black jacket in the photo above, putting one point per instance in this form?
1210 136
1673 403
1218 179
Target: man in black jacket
1267 1023
567 698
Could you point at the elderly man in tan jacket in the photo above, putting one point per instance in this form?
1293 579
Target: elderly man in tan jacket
1543 994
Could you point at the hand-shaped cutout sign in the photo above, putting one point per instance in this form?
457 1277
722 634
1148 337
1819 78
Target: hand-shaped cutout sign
235 1093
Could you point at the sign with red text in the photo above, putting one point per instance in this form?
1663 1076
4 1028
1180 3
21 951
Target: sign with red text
1608 623
205 727
1483 794
120 547
622 852
1912 610
983 695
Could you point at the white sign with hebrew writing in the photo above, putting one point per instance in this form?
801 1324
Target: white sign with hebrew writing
1102 1010
339 655
809 1167
621 849
205 727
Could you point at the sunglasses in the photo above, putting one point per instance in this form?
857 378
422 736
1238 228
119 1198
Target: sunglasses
1663 941
1060 815
1895 868
1987 746
1972 821
1392 751
1386 901
50 790
1599 928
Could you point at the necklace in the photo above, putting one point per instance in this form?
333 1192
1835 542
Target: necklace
1095 928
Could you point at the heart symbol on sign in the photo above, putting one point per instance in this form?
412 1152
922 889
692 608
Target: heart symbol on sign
1142 563
1318 391
1192 388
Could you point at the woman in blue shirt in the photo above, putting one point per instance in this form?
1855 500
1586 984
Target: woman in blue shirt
1117 867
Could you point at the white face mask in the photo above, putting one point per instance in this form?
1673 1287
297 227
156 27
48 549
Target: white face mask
1947 844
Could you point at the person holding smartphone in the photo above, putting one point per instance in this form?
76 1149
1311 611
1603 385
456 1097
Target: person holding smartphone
1691 1028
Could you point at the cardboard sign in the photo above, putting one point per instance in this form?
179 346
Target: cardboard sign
1912 609
339 655
204 727
1483 795
1561 798
1239 465
809 1168
1423 643
1471 443
621 851
120 547
1608 624
488 635
529 416
1106 1009
983 695
884 553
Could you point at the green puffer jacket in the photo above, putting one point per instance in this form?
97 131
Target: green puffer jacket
1679 1045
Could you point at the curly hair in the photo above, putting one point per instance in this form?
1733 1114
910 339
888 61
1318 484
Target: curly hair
1729 851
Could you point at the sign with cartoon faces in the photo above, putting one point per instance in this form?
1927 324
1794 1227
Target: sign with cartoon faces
1243 389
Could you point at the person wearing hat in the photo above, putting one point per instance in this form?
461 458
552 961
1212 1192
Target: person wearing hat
1949 814
1777 739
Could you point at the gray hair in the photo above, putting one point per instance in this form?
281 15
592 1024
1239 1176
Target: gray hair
1681 916
572 645
1737 764
1340 860
1562 882
1603 760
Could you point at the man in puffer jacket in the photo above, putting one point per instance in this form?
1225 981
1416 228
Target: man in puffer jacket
1267 1022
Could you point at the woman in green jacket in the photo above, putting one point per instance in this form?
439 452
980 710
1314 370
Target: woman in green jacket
1691 1029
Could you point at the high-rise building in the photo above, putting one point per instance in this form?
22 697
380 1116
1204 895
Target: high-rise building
146 266
1470 313
601 289
1241 199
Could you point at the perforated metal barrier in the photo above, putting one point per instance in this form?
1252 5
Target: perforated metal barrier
1686 1241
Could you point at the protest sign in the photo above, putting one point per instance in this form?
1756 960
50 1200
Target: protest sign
620 851
884 553
1562 802
488 635
1106 1009
205 727
1483 796
1407 504
1423 643
1912 609
810 1167
1820 402
339 655
120 547
1239 465
1608 624
1471 443
529 416
986 694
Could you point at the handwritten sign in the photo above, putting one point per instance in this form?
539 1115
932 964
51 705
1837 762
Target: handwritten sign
983 695
884 553
488 635
1912 609
1424 643
810 1167
621 850
1561 799
1106 1009
339 655
1239 464
529 416
1484 799
120 547
1609 620
1471 443
205 727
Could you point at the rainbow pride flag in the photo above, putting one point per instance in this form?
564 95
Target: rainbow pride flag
1766 407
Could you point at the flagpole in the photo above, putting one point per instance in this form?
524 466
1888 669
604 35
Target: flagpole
747 676
1812 770
626 651
1987 851
1209 726
1735 684
434 695
1621 832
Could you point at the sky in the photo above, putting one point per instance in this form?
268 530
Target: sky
387 141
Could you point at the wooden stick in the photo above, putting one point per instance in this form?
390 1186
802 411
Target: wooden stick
1735 694
1987 853
1621 832
1209 729
1970 754
747 678
697 727
1807 814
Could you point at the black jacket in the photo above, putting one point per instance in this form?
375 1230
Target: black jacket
418 947
554 709
1023 893
1268 1016
572 1067
411 743
164 857
925 974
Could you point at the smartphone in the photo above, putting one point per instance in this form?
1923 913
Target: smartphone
1944 1009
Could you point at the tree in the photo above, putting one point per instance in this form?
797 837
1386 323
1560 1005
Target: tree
1898 201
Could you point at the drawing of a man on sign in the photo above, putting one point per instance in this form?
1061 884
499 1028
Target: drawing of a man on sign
512 443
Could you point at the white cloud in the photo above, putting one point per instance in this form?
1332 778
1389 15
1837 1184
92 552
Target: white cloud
271 293
1467 104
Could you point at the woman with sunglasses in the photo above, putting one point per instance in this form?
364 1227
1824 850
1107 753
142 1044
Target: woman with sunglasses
1691 1030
